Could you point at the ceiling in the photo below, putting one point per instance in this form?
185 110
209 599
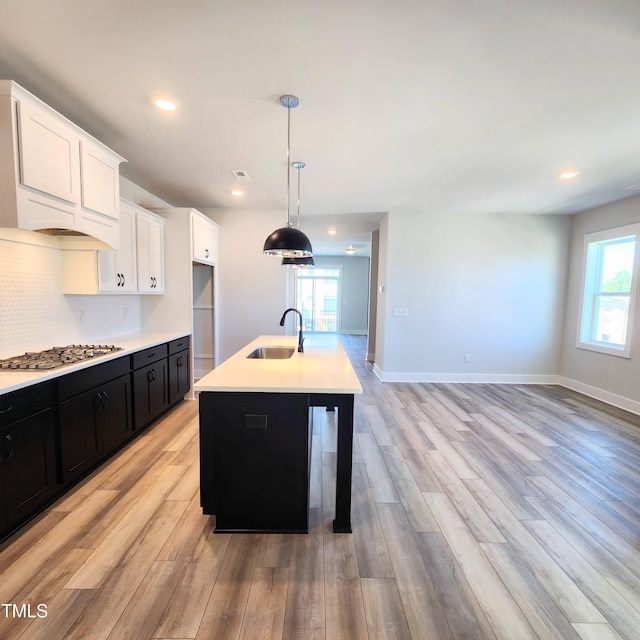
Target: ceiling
424 105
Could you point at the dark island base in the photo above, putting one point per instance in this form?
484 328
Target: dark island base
255 453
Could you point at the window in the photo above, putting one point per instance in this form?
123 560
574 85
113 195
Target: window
318 292
609 290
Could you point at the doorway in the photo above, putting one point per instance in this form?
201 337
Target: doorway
317 298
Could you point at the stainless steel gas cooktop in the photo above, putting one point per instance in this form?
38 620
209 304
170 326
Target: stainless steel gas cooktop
57 356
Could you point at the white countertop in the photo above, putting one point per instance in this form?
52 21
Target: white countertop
324 367
18 379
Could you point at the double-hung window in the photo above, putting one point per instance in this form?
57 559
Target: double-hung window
610 271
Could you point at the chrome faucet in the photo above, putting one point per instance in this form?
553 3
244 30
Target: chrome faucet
300 338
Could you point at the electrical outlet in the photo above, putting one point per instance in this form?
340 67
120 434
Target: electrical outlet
125 311
79 316
400 311
467 357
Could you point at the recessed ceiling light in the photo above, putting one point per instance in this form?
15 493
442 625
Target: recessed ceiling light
569 174
165 104
332 232
237 192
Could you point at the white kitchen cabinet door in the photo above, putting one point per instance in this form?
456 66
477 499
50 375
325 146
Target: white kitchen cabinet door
117 270
204 239
100 173
49 153
150 249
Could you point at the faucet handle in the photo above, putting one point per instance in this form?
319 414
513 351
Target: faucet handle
300 347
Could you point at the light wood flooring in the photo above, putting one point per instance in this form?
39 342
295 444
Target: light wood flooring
479 512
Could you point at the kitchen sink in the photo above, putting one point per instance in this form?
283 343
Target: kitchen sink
271 353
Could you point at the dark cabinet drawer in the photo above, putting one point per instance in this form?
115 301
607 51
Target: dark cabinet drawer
179 345
17 405
148 356
78 382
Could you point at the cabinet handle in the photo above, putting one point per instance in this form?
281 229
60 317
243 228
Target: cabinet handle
124 280
9 408
179 361
151 375
104 399
119 279
206 253
10 447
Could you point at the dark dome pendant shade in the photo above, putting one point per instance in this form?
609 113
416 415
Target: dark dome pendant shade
287 241
307 261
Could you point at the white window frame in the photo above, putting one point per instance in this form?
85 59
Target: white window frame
591 270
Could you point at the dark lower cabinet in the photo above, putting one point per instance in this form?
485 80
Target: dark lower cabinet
93 424
179 376
53 433
27 454
151 391
254 461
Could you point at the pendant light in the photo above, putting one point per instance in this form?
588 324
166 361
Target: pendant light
287 241
306 261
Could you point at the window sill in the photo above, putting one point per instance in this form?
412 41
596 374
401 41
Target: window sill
601 347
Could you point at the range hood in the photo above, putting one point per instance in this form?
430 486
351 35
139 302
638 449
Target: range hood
70 239
54 239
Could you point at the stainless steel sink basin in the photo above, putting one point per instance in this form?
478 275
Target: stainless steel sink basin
272 353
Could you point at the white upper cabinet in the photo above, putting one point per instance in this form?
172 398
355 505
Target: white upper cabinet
204 239
117 270
54 175
136 267
150 245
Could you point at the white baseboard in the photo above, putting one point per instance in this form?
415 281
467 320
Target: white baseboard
469 378
614 399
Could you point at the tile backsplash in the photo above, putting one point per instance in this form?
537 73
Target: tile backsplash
35 314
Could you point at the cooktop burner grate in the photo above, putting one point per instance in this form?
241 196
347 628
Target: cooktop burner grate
56 356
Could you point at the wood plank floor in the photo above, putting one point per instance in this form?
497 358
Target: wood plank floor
479 512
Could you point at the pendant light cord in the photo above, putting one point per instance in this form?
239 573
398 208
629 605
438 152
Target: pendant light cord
298 225
288 165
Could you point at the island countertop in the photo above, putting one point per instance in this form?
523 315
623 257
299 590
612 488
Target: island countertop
324 367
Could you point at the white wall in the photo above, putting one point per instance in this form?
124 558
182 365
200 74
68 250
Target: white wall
354 303
253 288
491 286
608 377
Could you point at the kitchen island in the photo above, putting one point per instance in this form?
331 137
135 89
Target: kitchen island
255 434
